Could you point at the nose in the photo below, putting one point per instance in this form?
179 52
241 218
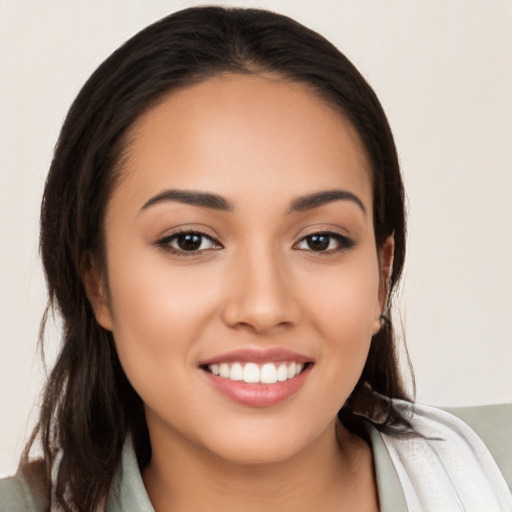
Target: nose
260 296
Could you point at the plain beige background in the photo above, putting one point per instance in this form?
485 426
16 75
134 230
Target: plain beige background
443 71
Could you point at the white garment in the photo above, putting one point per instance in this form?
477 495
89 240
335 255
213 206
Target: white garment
447 467
442 467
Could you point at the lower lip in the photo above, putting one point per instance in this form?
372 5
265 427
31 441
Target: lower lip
258 395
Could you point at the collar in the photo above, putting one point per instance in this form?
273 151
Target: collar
128 493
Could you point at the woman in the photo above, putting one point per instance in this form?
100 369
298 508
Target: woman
227 208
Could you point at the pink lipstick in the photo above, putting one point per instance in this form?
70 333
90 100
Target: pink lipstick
258 378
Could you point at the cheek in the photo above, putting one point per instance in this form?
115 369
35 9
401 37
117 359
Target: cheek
150 296
343 306
345 300
159 314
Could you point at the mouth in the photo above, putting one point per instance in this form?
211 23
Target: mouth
257 373
258 378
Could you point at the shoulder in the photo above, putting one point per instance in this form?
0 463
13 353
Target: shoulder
25 491
446 461
493 424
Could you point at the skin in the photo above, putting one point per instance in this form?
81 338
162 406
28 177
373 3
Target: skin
260 143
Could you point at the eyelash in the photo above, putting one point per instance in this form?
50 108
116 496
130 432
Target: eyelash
165 243
343 243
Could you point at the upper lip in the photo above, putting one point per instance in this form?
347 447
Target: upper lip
250 355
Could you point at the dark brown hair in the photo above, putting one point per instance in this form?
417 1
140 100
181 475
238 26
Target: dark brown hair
89 407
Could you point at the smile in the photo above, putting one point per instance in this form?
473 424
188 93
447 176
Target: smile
253 373
258 378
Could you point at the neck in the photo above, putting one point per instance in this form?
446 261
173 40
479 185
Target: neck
335 471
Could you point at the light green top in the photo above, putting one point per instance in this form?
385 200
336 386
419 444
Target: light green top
492 423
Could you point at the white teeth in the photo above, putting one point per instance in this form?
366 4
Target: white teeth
253 373
236 372
268 373
282 372
223 370
291 370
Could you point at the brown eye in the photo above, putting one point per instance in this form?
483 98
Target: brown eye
318 242
190 242
325 242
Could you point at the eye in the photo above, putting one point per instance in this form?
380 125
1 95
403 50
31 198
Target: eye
191 242
326 242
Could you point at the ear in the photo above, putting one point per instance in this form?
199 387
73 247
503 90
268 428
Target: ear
386 254
96 291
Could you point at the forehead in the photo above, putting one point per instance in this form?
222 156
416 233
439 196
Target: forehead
255 128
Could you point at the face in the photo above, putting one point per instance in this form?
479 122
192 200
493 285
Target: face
243 277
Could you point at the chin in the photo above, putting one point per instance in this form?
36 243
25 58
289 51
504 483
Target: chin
259 446
256 455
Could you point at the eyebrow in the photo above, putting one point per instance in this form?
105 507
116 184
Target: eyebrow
317 199
216 202
202 199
